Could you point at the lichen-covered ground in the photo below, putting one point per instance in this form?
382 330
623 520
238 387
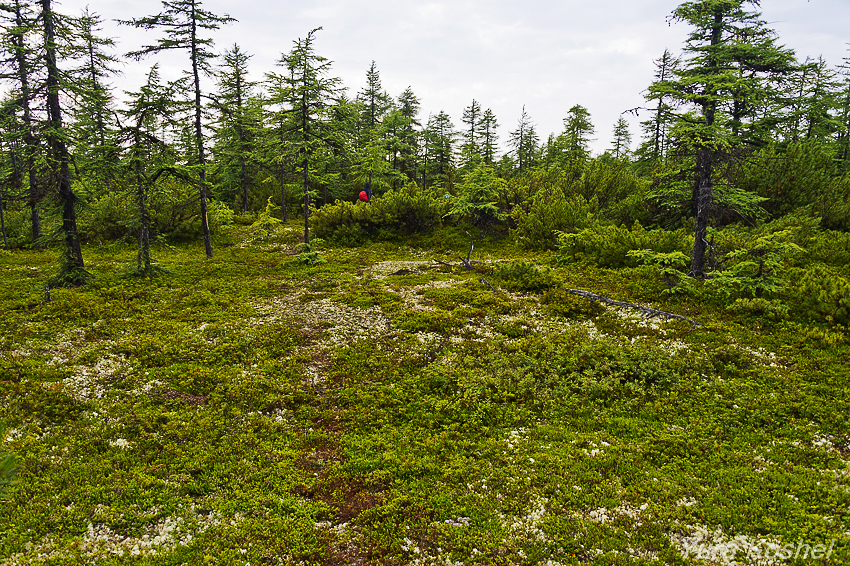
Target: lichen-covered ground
382 408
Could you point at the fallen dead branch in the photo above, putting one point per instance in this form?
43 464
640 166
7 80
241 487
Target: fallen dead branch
647 312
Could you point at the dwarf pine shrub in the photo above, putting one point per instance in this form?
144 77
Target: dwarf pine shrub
390 216
609 246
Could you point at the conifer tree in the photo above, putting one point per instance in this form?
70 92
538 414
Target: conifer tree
657 127
72 268
20 63
622 139
576 137
470 152
524 141
147 111
408 104
234 130
440 137
183 22
707 81
487 127
310 94
94 130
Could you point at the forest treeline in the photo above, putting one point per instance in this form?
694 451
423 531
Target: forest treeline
736 130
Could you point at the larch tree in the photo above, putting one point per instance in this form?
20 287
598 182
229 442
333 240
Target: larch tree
235 125
147 111
21 67
408 104
524 141
72 268
707 81
440 137
622 139
310 94
576 137
93 128
184 22
487 127
470 153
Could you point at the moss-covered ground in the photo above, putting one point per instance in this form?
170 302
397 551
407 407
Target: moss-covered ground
382 408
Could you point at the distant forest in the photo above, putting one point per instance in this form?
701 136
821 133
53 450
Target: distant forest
736 129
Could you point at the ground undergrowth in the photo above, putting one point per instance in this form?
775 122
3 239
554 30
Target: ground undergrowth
382 408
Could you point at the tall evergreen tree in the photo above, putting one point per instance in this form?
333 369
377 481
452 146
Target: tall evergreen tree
657 127
183 22
524 141
487 126
576 137
20 61
235 127
375 101
622 139
72 268
707 81
408 104
470 151
440 137
310 94
147 111
94 129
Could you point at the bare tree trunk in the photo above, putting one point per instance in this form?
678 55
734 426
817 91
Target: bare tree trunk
704 196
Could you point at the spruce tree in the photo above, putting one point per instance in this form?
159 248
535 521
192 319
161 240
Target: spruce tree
470 152
576 137
183 22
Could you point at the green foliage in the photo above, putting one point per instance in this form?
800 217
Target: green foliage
391 216
524 276
478 196
9 467
547 214
110 217
266 223
308 254
823 295
609 246
672 266
220 216
757 269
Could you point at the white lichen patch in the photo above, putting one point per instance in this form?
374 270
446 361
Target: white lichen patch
716 547
527 526
88 382
624 509
100 540
383 269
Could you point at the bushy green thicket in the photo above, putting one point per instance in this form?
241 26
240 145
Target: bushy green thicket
393 215
568 201
802 175
609 246
172 205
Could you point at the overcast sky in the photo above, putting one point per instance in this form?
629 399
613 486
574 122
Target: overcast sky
547 55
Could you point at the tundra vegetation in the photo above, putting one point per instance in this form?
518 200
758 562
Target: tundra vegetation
212 352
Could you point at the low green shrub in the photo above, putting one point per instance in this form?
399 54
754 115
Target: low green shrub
8 467
609 246
113 216
568 305
547 214
390 216
524 277
822 295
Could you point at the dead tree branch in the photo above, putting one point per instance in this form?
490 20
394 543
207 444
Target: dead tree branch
646 311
